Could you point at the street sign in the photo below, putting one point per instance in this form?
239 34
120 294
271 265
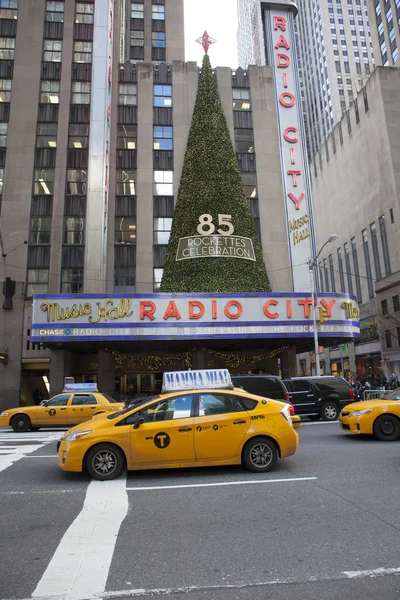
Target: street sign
344 348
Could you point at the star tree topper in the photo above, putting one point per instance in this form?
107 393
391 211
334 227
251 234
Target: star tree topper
205 40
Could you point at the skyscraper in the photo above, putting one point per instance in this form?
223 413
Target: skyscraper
335 53
385 26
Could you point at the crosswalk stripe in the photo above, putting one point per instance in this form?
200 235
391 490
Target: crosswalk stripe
79 567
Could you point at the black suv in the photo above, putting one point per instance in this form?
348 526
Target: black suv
319 397
269 386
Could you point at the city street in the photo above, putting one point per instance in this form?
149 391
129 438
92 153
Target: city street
324 525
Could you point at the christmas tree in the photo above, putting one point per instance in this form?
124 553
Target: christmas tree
211 186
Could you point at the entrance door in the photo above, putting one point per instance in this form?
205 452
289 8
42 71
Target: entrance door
166 434
220 426
81 408
54 412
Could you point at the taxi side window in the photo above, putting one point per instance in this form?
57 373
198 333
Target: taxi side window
81 399
61 400
217 404
165 410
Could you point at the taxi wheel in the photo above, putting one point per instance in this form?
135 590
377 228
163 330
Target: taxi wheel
387 428
104 462
21 423
259 455
329 411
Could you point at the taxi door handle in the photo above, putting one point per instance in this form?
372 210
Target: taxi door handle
63 408
239 422
185 429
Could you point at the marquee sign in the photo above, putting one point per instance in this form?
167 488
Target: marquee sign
297 190
189 316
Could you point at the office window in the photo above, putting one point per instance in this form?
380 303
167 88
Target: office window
37 282
40 231
341 274
84 12
7 48
72 281
163 95
1 181
49 92
396 303
43 181
244 140
388 338
162 138
241 99
137 10
124 279
137 38
384 307
326 275
158 12
76 181
74 230
127 95
127 137
3 135
356 269
8 9
370 279
80 92
5 90
83 52
158 39
163 183
158 273
332 273
249 184
54 11
348 267
46 135
125 230
375 251
78 136
385 246
52 50
162 230
126 183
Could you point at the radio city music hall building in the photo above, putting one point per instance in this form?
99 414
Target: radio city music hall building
97 108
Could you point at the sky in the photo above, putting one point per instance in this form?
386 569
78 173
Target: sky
219 19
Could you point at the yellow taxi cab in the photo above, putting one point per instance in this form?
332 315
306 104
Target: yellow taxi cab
199 419
76 404
379 417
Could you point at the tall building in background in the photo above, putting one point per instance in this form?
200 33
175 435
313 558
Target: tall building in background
385 26
335 53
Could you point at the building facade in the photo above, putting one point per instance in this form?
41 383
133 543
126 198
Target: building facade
97 106
336 56
356 190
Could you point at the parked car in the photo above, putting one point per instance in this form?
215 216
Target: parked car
319 397
379 417
269 386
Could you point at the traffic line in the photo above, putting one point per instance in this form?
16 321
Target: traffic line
220 484
43 456
142 592
80 565
320 423
6 460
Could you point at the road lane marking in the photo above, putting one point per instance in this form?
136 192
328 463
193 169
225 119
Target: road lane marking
43 456
80 565
223 483
320 423
142 592
6 460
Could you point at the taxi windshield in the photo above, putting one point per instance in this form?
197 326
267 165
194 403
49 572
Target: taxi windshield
131 407
393 395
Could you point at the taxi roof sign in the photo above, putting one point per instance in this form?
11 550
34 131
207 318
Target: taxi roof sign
178 381
80 387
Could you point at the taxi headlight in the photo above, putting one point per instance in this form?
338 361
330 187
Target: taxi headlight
4 414
76 435
364 411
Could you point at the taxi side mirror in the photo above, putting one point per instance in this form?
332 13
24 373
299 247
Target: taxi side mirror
137 423
44 403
